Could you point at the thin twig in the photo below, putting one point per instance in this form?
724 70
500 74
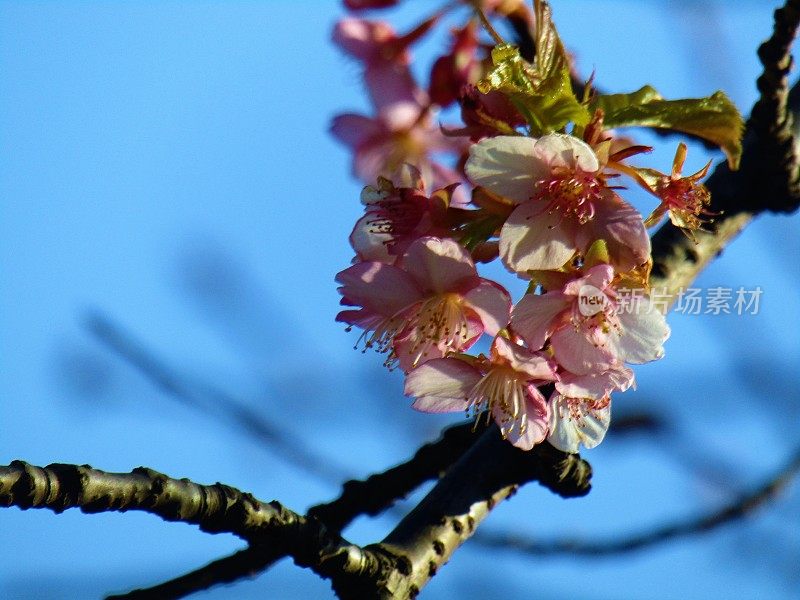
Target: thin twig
213 401
743 506
247 562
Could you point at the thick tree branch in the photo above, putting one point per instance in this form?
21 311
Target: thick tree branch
767 181
214 508
739 508
490 471
370 496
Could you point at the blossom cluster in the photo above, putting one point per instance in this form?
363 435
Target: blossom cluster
532 181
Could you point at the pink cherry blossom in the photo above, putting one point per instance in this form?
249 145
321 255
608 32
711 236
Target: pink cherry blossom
395 216
580 407
383 144
386 60
586 328
430 304
504 385
563 202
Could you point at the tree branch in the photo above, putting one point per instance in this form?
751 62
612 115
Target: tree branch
490 471
214 508
370 496
376 493
767 181
744 505
247 562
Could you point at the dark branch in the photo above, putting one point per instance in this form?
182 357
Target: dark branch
743 506
214 508
248 562
379 491
370 496
489 472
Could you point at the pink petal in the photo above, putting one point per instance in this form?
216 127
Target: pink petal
383 289
395 94
595 385
353 130
622 227
438 264
538 414
599 276
362 39
534 239
441 385
367 4
576 353
536 317
371 157
504 165
523 360
407 349
492 303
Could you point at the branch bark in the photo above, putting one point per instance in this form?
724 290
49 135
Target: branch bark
491 471
214 508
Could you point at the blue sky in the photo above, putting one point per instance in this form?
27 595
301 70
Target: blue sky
167 165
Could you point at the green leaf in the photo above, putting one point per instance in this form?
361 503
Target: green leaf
542 92
714 118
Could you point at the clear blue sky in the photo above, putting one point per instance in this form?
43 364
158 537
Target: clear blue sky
167 163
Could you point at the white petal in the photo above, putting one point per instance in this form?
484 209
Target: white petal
595 385
576 353
537 411
505 165
567 433
370 244
562 150
644 331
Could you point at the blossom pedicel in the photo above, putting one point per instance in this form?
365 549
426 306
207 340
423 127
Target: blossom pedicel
531 179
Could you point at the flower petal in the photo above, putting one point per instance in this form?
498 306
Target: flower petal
533 364
535 429
595 385
535 239
353 130
504 165
576 353
567 151
438 264
573 422
622 227
491 302
381 288
369 243
535 317
441 385
644 331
